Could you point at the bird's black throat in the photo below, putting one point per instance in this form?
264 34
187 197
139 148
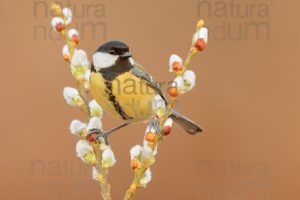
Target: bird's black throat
110 73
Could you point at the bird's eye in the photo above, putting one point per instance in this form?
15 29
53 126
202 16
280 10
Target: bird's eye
112 52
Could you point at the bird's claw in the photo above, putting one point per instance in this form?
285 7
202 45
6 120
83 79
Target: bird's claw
155 125
94 130
97 135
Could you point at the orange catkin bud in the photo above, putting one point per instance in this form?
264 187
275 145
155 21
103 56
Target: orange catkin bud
134 164
173 91
67 58
200 44
150 137
75 39
59 27
91 137
177 66
166 130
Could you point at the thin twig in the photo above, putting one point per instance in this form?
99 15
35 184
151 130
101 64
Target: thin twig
101 170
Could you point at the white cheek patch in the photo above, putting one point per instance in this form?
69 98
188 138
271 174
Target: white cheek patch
104 60
131 61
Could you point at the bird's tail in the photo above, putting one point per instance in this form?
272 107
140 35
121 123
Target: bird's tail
188 125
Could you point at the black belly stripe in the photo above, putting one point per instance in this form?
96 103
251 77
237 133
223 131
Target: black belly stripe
115 103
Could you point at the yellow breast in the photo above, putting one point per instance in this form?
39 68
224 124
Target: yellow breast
131 94
98 91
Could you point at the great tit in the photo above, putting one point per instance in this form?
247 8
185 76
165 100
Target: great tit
124 90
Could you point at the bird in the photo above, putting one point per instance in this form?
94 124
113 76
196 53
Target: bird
125 90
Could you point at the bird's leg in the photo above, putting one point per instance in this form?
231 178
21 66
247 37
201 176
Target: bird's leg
103 134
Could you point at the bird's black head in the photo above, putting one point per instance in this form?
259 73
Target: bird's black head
115 48
109 53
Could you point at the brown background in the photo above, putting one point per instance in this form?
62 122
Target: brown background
247 99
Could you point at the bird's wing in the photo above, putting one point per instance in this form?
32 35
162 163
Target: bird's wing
138 71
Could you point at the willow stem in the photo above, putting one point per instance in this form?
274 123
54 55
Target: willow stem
140 171
82 94
136 182
102 172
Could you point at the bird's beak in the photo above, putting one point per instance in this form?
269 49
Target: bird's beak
126 55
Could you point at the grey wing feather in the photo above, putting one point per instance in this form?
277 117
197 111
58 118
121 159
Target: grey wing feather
138 71
188 125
